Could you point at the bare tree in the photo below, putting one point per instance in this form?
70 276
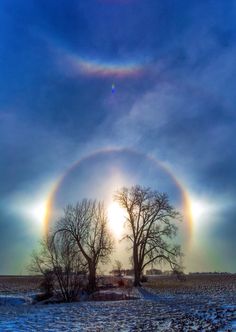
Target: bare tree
86 225
150 227
118 267
61 265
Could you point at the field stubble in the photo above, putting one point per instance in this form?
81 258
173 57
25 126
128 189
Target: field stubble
201 303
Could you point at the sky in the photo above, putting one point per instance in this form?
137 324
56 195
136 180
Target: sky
98 94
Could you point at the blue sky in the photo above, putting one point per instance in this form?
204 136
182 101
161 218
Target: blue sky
173 64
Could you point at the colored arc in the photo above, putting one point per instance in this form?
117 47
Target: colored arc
96 67
101 68
184 194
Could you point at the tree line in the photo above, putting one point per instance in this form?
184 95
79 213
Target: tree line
80 240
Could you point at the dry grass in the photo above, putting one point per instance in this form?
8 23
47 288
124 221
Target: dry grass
218 283
19 284
210 283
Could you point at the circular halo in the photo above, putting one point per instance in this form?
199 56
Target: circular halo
104 153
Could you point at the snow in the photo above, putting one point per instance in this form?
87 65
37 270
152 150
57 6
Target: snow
14 299
151 312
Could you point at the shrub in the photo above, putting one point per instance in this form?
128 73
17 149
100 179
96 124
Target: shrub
47 284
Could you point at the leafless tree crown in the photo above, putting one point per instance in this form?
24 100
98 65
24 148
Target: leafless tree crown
149 219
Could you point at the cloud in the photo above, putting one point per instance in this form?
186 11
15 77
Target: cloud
182 108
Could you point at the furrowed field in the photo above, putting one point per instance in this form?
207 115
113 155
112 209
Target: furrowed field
204 302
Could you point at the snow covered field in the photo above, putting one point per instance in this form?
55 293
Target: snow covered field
154 311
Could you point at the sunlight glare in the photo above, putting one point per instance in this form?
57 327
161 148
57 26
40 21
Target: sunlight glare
38 212
198 209
116 218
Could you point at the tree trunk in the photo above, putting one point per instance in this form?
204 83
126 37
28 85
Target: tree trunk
92 278
137 278
137 272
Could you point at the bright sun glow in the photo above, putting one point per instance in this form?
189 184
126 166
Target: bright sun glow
38 212
198 209
116 218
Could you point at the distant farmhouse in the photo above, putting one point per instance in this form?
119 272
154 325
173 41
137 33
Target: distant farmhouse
206 273
153 272
168 273
122 272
